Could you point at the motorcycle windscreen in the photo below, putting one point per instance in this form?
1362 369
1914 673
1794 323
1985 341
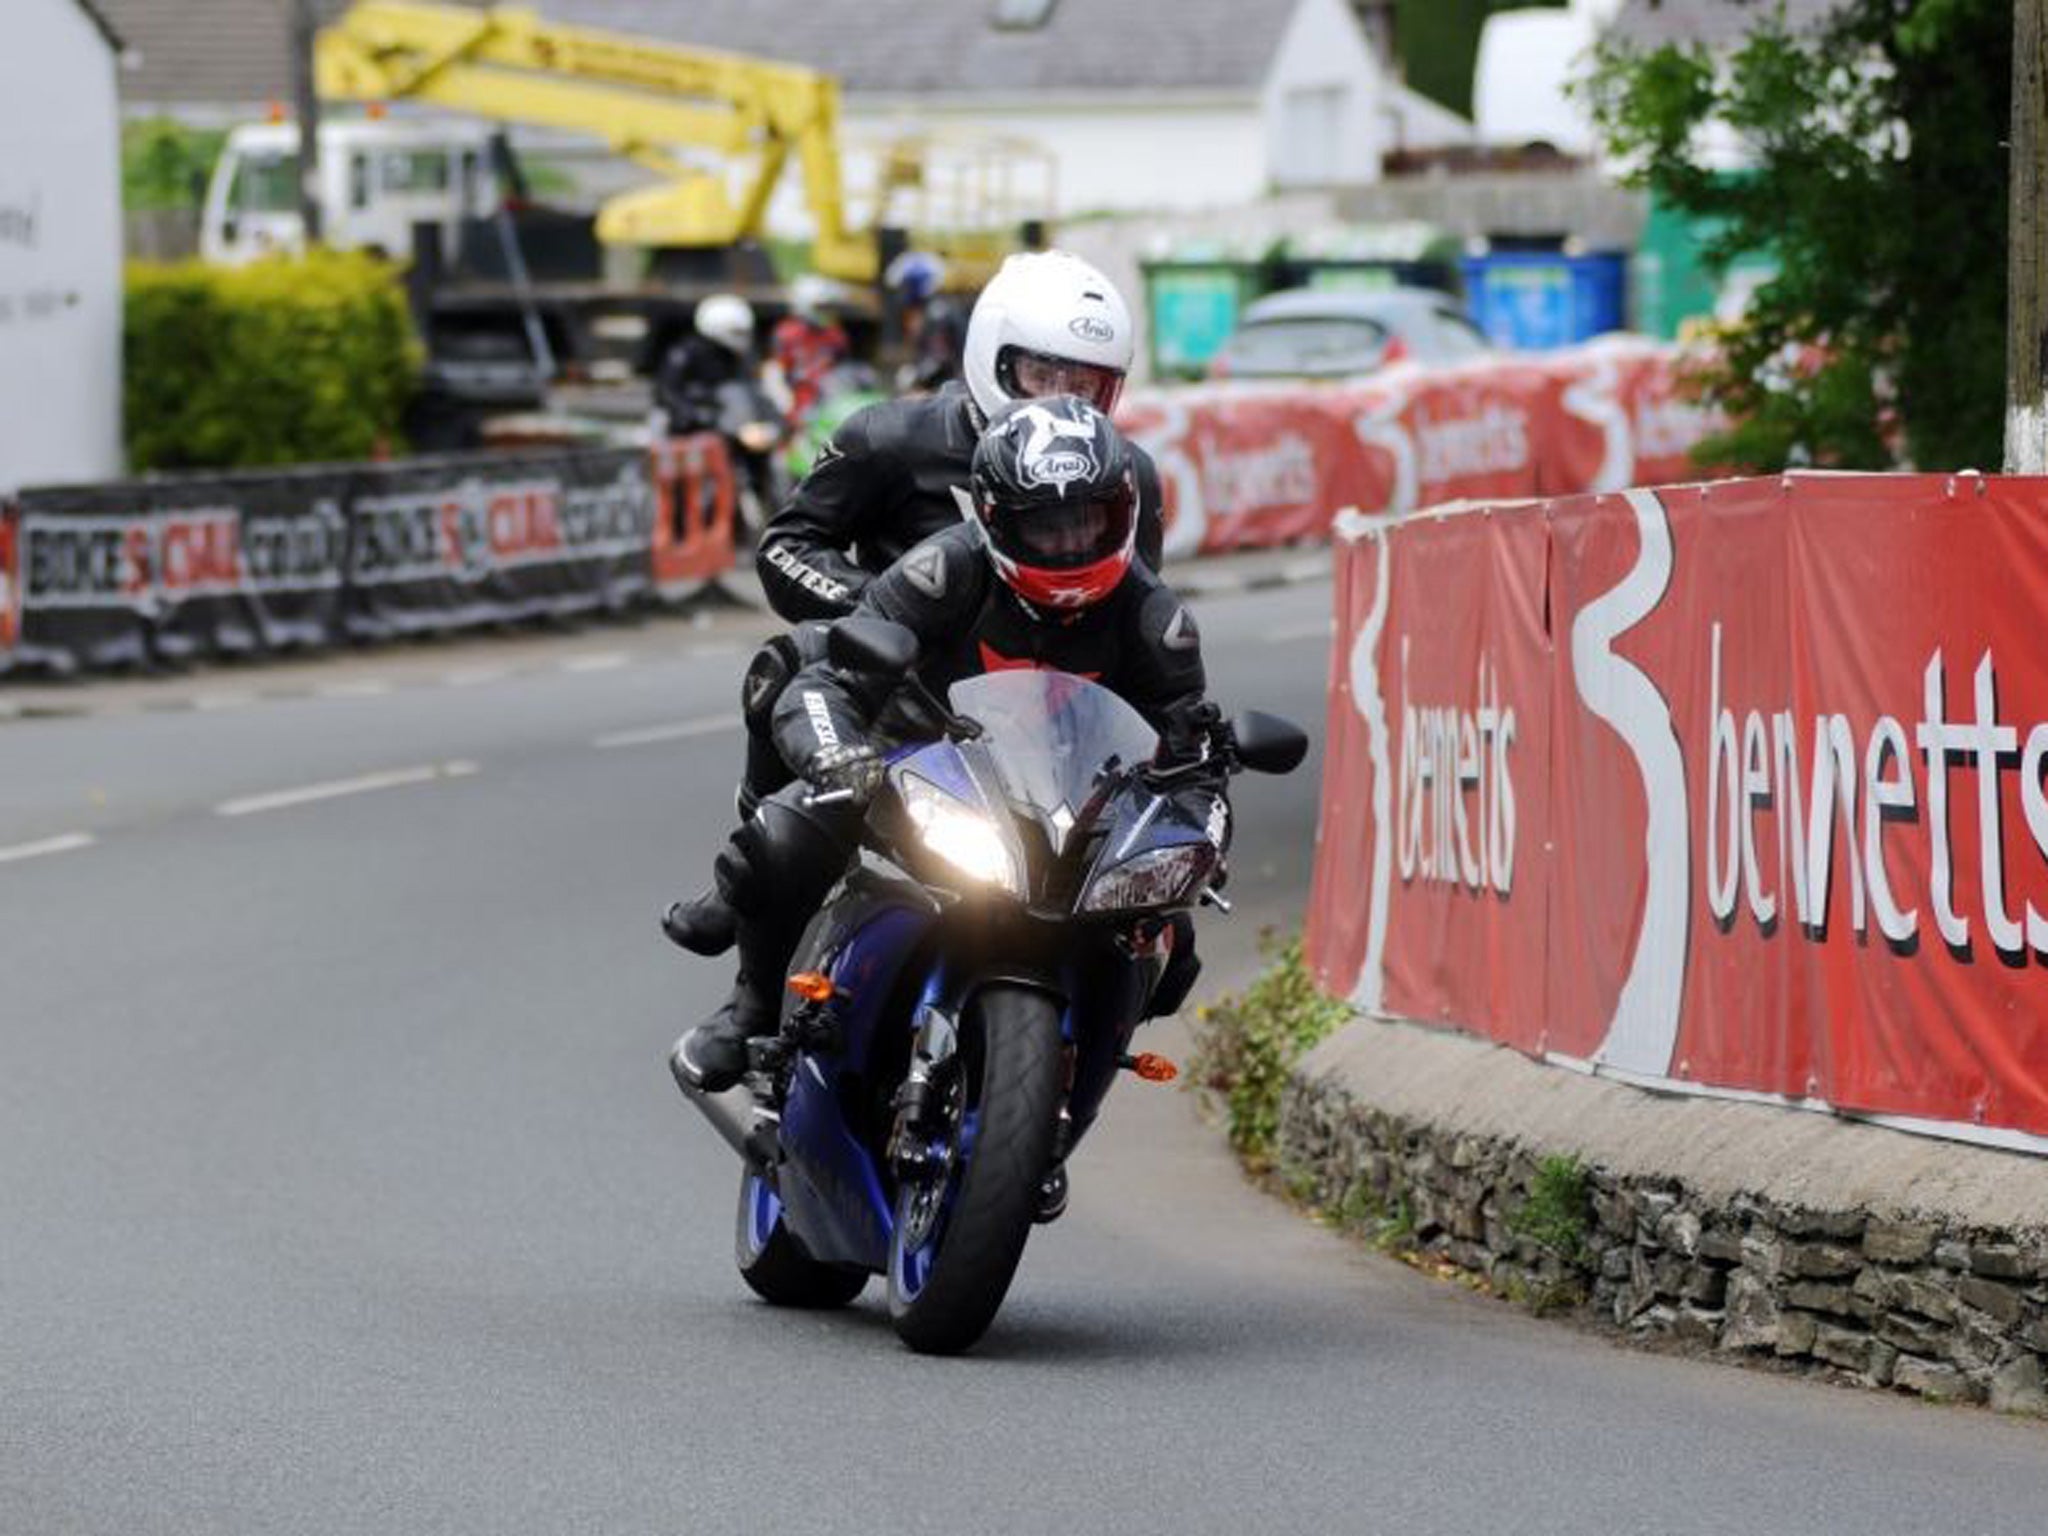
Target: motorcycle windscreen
1052 732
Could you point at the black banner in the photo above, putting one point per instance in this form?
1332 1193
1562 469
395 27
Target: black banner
474 539
176 567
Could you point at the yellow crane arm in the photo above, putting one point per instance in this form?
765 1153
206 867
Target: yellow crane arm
644 99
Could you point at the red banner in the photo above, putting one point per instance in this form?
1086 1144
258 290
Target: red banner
1765 783
1248 465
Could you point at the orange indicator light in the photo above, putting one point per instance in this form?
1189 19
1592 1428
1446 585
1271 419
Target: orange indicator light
1154 1069
813 986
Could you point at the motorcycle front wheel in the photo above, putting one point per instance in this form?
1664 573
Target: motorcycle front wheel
960 1227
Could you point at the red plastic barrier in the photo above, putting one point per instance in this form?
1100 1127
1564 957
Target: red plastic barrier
1728 788
1249 465
694 508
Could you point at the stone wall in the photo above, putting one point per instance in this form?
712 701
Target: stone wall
1918 1302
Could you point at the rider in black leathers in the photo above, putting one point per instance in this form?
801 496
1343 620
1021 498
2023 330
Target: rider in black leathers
896 473
1044 577
718 352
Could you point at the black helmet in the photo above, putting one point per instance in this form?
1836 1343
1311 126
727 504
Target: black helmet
1054 488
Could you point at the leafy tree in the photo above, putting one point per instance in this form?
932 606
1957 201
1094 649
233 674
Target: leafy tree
165 164
1877 180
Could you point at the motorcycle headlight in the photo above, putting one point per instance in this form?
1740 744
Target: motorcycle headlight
1155 879
965 838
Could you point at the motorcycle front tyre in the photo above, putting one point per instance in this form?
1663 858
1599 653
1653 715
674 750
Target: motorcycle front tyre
1011 1051
774 1264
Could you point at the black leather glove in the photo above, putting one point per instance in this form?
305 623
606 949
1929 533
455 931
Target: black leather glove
855 768
1185 740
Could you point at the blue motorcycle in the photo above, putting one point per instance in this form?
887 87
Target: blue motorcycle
967 993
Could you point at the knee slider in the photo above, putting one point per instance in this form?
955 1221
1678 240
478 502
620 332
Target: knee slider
767 675
774 664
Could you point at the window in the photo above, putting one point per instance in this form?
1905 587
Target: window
1023 15
266 183
1306 345
359 180
416 170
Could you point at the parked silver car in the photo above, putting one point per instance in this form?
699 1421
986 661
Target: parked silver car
1322 333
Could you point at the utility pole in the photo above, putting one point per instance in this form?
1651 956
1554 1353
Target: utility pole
2026 281
306 103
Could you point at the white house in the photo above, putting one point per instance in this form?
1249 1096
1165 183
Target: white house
60 244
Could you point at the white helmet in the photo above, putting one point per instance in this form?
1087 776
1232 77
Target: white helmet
1047 323
727 319
810 295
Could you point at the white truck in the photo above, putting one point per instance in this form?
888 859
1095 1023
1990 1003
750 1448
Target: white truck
378 177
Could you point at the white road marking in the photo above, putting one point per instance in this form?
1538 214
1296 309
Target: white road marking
681 730
392 778
366 689
213 701
469 677
1322 629
65 843
602 661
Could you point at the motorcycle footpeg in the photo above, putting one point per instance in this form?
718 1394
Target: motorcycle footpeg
767 1055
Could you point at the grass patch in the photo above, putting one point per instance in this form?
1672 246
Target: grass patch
1245 1044
1557 1214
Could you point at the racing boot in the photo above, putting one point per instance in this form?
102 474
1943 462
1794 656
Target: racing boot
704 925
713 1056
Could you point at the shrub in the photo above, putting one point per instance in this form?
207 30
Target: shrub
1245 1045
1557 1215
287 360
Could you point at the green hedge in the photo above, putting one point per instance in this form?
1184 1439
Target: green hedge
288 360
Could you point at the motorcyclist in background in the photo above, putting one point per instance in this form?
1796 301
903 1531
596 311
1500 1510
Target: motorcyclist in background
718 352
896 473
807 344
934 322
1043 575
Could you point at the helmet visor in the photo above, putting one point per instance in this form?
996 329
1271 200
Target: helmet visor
1061 537
1036 375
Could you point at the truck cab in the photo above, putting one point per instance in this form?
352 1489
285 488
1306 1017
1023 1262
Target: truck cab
378 178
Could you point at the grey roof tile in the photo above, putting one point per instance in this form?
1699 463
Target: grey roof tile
235 50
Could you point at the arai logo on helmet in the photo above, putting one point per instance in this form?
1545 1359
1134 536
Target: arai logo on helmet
1088 328
1058 468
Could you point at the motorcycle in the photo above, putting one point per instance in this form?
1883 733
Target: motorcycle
740 411
847 389
967 993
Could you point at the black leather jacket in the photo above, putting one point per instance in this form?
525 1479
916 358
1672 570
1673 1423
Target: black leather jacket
893 474
1139 642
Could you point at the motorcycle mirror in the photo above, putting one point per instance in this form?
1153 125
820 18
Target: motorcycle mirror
1268 744
871 645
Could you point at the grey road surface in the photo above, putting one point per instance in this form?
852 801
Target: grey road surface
343 1189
